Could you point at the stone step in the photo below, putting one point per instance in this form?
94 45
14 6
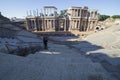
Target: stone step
59 59
76 76
54 71
27 73
49 68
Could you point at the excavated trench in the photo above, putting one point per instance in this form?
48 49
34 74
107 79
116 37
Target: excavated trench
25 51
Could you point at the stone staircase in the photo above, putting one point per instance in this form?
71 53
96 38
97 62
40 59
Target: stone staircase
57 63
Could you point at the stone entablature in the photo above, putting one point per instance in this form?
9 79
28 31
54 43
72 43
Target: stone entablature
76 19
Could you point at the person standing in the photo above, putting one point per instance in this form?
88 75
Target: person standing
45 42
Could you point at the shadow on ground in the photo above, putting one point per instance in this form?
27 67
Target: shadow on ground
111 64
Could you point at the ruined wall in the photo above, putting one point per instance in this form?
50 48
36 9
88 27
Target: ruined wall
108 22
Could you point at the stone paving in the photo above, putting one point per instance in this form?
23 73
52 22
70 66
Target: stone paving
58 63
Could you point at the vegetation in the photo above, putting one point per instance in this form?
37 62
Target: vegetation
62 13
115 16
103 17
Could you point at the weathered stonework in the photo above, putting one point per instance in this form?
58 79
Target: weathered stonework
75 19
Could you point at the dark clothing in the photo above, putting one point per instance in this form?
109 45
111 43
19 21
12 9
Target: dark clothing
45 40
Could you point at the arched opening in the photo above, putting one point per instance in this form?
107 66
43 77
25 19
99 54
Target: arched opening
97 28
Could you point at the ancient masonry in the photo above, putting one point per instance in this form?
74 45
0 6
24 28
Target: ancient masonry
75 19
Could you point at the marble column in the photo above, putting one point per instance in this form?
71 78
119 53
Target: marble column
65 25
50 27
35 27
78 13
31 23
44 12
74 24
70 25
45 24
47 12
53 24
71 11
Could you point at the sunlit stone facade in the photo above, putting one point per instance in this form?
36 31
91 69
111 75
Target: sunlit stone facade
75 19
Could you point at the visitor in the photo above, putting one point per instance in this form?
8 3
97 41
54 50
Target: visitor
45 40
